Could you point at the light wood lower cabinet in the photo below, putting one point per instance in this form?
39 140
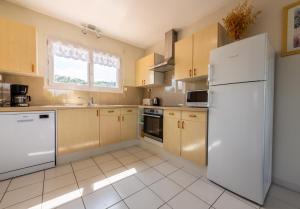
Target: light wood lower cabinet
128 124
110 126
77 129
185 134
172 132
117 125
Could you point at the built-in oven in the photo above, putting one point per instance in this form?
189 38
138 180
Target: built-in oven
197 98
153 123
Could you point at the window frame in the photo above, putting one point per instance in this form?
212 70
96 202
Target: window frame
90 71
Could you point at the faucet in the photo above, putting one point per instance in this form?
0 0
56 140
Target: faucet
91 101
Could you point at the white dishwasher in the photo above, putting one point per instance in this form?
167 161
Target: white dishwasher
27 142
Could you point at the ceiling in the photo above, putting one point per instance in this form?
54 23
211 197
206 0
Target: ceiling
141 23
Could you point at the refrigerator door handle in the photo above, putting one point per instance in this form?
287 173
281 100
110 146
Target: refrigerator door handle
210 69
210 98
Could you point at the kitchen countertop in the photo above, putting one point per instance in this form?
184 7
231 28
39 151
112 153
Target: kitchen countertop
183 108
58 107
61 107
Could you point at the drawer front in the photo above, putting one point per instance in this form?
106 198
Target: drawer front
128 111
194 116
110 111
172 113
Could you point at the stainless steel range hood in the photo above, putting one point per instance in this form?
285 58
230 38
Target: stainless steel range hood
168 63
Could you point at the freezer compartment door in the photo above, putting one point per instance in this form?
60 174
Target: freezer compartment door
27 139
236 138
241 61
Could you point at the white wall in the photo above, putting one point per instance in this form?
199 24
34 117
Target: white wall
286 157
50 27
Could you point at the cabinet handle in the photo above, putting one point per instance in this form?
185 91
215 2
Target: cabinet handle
171 113
178 124
193 116
122 117
32 68
129 110
119 118
97 113
182 124
190 72
111 111
195 70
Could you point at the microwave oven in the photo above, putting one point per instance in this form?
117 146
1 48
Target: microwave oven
197 98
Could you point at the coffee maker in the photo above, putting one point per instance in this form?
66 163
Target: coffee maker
18 95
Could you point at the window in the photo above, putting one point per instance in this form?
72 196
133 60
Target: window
75 67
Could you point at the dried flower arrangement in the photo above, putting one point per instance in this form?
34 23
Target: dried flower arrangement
238 20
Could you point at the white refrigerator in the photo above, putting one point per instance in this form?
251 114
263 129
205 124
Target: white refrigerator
241 86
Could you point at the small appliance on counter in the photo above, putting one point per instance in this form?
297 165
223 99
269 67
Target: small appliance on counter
156 101
197 98
147 102
151 102
18 95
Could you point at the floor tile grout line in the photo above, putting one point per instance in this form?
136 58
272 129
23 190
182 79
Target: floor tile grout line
6 190
121 199
81 196
43 190
218 198
24 185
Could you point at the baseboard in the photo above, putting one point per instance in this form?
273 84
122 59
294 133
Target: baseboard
66 158
287 185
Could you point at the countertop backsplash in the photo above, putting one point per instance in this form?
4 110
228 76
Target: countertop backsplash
41 95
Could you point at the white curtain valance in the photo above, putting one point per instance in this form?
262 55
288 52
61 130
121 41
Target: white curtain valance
68 51
106 59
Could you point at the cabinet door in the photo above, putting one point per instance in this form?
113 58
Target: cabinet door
184 58
194 140
204 41
110 126
172 132
77 129
138 73
129 126
20 48
142 69
3 45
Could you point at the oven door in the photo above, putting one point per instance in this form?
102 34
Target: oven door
153 126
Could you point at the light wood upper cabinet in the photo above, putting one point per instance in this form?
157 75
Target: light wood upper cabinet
143 73
193 138
110 128
192 53
128 123
185 134
184 58
77 129
172 132
17 47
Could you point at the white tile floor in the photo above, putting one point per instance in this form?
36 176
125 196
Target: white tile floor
130 178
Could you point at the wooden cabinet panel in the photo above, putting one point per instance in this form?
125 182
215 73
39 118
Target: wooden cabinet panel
129 126
204 41
18 47
195 116
110 128
77 129
172 113
172 135
126 111
193 53
193 140
142 69
184 58
3 44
